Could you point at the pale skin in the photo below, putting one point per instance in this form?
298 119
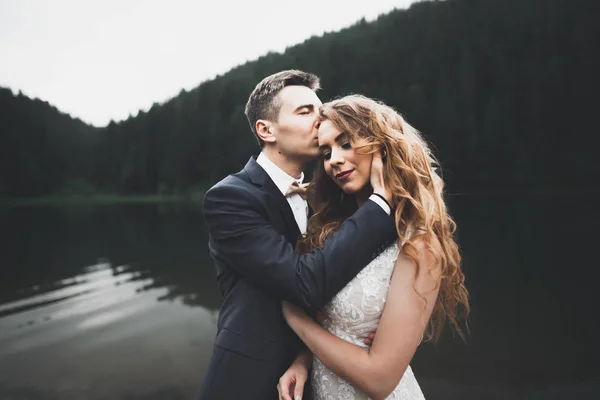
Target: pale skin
290 141
404 317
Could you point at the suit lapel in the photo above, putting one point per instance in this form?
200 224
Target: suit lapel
259 177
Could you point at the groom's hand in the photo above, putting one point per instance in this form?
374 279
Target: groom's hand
369 339
377 179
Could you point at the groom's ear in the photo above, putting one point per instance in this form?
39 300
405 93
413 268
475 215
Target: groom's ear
264 131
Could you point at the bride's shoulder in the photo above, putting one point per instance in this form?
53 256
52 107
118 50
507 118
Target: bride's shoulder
422 245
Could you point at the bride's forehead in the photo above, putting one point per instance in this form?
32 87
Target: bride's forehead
328 132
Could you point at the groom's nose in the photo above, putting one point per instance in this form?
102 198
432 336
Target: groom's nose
317 124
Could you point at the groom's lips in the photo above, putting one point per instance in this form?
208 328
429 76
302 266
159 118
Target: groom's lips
344 175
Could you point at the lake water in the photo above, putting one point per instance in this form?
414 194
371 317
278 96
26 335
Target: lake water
120 302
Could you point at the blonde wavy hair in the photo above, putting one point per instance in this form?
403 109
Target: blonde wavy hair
417 194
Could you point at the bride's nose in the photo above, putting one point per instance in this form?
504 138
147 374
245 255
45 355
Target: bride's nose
337 157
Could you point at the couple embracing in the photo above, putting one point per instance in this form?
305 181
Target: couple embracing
329 288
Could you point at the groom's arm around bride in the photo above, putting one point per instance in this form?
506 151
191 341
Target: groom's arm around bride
243 238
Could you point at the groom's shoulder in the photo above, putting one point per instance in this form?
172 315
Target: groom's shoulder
233 183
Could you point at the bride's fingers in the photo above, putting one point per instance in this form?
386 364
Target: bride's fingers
284 388
299 390
376 170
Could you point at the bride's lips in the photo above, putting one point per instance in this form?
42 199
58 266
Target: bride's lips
344 175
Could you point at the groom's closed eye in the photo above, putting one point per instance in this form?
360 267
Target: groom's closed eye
305 109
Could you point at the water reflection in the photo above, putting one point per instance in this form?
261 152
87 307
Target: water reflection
159 246
96 302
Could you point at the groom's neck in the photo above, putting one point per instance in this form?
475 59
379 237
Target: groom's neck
290 165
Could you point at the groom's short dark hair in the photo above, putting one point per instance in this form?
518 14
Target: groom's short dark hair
262 102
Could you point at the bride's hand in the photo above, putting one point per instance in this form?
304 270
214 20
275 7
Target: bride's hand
377 180
292 382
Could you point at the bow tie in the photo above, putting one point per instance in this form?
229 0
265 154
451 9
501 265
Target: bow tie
297 188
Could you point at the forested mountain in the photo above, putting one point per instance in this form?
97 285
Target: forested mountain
40 147
504 90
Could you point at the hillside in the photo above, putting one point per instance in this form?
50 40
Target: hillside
504 90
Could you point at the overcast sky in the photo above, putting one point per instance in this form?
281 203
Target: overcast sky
106 59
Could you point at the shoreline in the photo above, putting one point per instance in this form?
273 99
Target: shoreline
106 199
113 199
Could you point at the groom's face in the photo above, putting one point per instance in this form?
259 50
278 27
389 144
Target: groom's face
296 127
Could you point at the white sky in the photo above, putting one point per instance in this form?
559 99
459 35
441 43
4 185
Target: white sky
106 59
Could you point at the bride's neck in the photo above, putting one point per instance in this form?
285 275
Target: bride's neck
363 195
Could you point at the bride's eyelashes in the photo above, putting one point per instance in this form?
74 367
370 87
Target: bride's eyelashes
345 146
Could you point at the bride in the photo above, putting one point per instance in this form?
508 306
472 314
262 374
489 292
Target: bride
406 293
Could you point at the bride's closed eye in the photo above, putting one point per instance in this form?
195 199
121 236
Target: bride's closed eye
345 146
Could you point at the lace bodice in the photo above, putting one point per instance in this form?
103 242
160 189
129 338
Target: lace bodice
351 315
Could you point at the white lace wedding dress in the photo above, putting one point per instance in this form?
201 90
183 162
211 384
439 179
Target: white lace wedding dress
351 315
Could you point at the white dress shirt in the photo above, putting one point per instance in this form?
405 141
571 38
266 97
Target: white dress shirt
298 205
283 181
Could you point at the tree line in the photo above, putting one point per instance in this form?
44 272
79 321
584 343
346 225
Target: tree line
505 91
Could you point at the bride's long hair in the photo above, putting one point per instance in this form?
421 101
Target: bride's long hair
417 193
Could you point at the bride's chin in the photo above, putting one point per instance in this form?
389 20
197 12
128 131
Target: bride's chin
349 191
350 188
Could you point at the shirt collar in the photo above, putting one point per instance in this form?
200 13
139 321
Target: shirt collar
281 179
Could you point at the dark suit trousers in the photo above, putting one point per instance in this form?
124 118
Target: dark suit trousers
236 376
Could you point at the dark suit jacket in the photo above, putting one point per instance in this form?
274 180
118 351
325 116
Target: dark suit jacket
252 237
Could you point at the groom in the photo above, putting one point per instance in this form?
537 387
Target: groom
254 218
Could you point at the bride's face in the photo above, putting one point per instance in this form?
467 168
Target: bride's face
348 167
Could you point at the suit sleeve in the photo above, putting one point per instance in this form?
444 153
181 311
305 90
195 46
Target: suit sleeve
242 238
